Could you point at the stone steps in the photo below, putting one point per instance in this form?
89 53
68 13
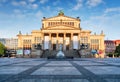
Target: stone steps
73 53
68 53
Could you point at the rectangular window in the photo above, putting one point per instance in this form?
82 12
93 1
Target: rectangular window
95 44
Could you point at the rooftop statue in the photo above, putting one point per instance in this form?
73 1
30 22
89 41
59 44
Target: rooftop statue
61 12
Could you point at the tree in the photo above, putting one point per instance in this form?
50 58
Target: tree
117 51
2 49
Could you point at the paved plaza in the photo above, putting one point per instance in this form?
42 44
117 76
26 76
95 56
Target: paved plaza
65 70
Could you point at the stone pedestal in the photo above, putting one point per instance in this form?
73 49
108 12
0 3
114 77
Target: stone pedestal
60 54
36 53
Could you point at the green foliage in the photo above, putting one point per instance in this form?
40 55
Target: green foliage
116 55
110 54
2 49
117 51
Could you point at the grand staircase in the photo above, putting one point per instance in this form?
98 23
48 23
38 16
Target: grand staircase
48 53
68 53
72 53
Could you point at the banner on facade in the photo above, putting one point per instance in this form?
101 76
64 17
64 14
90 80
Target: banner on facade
27 52
20 52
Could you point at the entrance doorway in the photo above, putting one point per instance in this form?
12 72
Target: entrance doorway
67 43
67 47
54 46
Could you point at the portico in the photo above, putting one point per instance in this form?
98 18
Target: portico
53 40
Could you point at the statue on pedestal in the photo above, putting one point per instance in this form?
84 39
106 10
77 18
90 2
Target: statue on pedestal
60 53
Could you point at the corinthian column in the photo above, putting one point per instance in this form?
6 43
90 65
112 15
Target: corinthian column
71 41
49 41
57 42
64 41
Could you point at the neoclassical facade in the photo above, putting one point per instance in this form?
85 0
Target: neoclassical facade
61 30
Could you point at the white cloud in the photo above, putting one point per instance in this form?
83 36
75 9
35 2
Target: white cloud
59 8
43 1
21 3
3 1
48 8
116 9
109 24
34 6
26 5
39 14
16 11
93 3
31 1
14 3
78 5
56 2
18 14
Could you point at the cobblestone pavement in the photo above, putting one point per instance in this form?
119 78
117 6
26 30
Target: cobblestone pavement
67 70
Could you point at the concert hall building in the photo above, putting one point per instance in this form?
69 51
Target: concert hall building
62 30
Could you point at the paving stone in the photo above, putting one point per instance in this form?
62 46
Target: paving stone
76 70
12 69
31 63
114 63
59 63
104 69
4 77
8 61
87 63
113 80
56 71
54 80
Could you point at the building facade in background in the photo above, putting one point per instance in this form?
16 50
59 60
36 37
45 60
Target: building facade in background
117 42
61 30
11 43
110 46
3 41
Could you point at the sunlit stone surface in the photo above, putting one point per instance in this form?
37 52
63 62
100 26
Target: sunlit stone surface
43 70
59 63
57 71
104 70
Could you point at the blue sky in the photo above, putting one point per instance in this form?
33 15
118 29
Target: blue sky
26 15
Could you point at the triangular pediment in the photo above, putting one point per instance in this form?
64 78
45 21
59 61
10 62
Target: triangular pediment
61 28
61 18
